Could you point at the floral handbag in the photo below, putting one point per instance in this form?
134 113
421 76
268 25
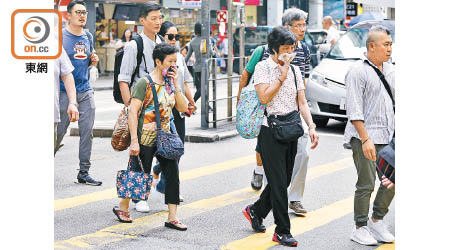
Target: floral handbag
168 145
131 184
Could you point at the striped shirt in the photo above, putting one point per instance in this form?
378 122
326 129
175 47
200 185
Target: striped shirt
301 59
368 100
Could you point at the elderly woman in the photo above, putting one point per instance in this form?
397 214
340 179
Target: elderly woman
276 87
143 128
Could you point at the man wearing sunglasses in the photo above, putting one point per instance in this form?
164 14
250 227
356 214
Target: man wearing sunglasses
79 46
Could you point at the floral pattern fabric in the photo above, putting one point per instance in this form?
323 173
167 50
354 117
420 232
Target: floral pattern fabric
133 185
249 113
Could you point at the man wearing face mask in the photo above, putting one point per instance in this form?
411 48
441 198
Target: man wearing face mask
295 20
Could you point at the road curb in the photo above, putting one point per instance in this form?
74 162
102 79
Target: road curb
102 88
194 138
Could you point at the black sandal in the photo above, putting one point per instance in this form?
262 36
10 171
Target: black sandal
175 225
121 214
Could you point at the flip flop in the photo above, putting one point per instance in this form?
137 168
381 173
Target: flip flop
175 225
120 213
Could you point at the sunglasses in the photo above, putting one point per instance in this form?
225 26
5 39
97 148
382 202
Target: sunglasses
172 36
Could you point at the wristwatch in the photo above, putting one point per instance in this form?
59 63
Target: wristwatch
312 126
74 103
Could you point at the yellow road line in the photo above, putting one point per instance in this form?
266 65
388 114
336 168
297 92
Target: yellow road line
140 225
185 175
386 247
299 225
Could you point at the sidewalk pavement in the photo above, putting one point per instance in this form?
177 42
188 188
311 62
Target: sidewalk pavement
194 133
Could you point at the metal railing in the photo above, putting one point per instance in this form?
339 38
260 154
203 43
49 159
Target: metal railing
209 74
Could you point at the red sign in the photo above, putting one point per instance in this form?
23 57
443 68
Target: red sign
221 16
249 2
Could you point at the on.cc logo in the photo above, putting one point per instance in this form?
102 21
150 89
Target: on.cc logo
37 25
36 34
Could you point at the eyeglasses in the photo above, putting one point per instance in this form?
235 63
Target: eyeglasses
172 36
81 12
299 26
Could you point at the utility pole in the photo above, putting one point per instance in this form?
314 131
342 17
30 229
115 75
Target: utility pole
241 36
230 58
205 55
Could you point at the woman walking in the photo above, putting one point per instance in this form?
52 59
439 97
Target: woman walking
143 128
280 86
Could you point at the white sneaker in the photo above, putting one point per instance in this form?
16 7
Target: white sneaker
142 207
363 236
380 232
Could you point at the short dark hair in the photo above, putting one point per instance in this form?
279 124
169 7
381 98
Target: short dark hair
73 3
101 26
198 28
148 7
165 26
162 50
280 35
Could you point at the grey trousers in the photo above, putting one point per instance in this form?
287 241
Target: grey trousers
367 173
300 168
86 108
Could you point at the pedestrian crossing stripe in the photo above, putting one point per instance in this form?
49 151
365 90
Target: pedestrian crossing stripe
140 225
111 193
299 225
386 247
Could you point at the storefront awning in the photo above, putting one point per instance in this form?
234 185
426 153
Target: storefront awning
384 3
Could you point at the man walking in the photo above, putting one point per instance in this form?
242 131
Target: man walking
332 32
194 47
370 127
151 18
79 47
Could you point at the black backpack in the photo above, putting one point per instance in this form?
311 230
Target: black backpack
118 62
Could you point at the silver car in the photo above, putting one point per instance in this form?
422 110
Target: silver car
325 89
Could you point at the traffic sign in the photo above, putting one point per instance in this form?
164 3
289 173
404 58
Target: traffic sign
221 16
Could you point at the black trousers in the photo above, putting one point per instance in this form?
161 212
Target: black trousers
198 85
179 124
169 169
278 162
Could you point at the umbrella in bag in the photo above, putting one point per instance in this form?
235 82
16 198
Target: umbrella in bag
366 16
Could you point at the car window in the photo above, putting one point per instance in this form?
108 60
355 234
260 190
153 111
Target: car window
254 35
307 39
352 44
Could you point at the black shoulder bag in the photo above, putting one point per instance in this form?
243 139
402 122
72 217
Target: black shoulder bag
288 127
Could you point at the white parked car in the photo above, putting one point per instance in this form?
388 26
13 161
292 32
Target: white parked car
325 89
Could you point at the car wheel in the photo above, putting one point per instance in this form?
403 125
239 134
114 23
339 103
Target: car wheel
321 122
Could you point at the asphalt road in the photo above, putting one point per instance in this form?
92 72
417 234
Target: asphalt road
215 182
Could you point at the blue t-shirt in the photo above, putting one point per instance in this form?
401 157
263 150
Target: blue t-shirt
78 49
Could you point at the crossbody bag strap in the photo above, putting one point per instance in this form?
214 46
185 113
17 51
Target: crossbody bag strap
296 91
143 102
155 101
385 83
